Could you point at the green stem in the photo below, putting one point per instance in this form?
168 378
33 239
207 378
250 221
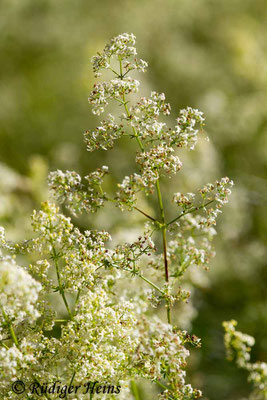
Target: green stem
160 202
163 228
165 388
11 330
134 390
145 214
151 283
189 211
77 297
136 208
14 337
61 290
128 114
143 278
161 385
3 344
164 241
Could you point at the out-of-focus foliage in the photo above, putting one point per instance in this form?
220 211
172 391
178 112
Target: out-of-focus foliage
238 346
208 54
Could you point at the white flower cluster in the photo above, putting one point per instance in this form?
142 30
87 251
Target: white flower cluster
258 376
155 160
188 251
128 190
41 269
27 362
223 190
138 65
184 201
127 256
153 163
51 227
195 226
79 254
220 188
11 360
114 89
219 193
18 294
121 47
104 135
238 346
67 187
143 116
100 340
185 134
162 354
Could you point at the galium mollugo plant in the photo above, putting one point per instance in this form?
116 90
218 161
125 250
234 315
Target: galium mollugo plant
108 335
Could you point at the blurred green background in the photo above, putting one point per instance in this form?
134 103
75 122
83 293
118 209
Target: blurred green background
209 54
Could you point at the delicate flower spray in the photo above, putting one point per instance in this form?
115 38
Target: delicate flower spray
108 336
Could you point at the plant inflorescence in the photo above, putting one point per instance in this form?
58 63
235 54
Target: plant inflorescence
109 334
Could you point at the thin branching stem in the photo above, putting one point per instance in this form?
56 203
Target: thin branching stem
140 275
190 211
161 385
61 290
164 241
136 208
145 214
10 327
163 225
77 297
150 283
